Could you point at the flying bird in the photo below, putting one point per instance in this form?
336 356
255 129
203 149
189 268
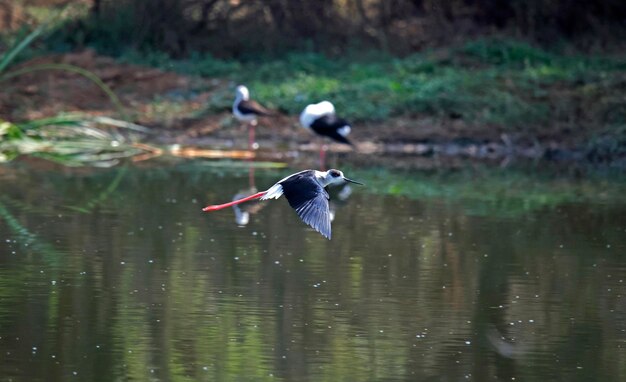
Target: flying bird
306 193
247 110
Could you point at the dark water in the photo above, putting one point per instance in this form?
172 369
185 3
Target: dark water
116 275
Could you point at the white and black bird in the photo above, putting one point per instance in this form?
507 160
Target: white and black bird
321 119
306 193
247 110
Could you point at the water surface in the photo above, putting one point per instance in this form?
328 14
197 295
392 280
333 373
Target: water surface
117 275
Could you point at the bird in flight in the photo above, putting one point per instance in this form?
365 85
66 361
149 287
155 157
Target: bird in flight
306 193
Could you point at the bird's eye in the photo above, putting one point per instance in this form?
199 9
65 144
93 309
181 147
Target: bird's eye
334 174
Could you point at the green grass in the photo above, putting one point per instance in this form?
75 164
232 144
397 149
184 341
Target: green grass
493 81
485 82
71 140
489 81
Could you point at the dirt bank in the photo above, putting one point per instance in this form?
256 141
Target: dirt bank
177 108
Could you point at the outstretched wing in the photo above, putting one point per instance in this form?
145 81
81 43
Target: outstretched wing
310 201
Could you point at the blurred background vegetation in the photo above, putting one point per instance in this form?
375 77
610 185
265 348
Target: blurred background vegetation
244 29
547 71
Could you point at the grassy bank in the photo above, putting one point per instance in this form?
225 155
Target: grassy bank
486 86
494 81
483 87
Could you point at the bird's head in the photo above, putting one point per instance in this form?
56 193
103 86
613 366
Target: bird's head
242 92
335 177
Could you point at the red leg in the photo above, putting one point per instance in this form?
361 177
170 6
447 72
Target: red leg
323 157
216 207
251 177
251 137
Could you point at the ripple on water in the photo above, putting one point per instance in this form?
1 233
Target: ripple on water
139 284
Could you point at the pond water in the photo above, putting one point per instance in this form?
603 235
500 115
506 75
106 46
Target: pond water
116 274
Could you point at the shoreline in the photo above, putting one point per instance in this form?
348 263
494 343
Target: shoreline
192 110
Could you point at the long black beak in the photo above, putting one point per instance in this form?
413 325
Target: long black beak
353 181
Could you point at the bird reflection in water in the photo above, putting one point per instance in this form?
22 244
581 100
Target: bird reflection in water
242 213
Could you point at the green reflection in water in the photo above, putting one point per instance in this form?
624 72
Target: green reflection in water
425 275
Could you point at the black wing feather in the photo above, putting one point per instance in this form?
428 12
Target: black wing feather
328 125
310 201
252 107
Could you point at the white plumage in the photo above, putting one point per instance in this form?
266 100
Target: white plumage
274 192
242 94
314 111
344 131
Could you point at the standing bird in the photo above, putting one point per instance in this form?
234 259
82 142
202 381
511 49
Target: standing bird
305 191
322 120
247 110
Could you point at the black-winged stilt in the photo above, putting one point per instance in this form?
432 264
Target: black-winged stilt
247 110
305 191
321 119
